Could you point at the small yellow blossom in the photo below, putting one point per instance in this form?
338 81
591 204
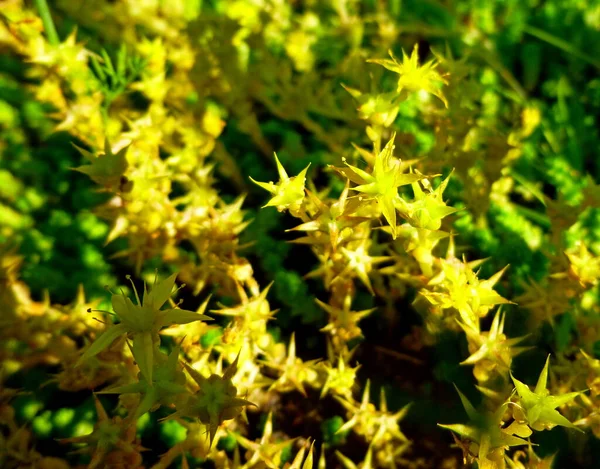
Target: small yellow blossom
288 193
414 77
538 407
383 182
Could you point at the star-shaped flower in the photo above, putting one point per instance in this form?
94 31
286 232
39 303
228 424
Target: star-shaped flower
539 407
265 451
107 168
492 350
428 208
141 322
343 322
341 379
378 109
486 438
295 372
215 401
111 436
414 77
383 182
360 263
288 193
332 223
378 426
584 266
457 286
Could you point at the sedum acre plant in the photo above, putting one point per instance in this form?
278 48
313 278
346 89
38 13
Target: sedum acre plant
434 225
142 322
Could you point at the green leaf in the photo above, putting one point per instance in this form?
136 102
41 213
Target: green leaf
102 342
542 382
125 309
105 169
143 353
108 63
160 292
471 412
180 316
125 389
463 430
147 402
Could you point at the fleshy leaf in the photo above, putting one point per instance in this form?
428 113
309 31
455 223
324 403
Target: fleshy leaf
160 292
143 353
539 407
102 342
181 316
543 379
105 169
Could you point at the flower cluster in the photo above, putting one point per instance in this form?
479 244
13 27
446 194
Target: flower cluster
372 252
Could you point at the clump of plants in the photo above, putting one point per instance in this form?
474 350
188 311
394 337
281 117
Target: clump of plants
244 234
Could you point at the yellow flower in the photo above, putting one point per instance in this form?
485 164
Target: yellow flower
294 372
462 290
584 266
377 425
491 351
266 452
332 223
414 77
382 184
539 407
360 263
428 208
106 169
215 401
341 379
288 193
343 322
486 438
378 109
142 321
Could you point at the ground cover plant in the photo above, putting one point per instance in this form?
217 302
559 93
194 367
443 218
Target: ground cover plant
296 234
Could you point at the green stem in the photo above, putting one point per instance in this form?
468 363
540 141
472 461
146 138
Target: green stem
536 217
561 44
44 11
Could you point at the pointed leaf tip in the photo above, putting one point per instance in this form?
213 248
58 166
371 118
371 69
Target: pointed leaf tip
542 382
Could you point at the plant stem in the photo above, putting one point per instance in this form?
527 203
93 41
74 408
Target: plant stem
44 11
561 44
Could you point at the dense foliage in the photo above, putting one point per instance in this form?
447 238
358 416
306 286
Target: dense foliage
381 217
